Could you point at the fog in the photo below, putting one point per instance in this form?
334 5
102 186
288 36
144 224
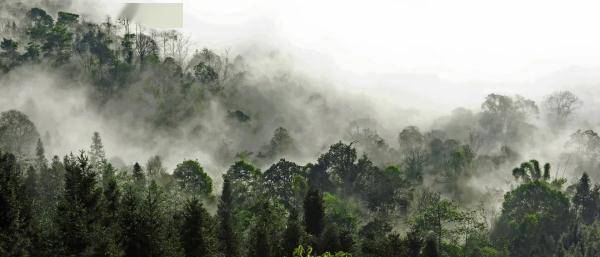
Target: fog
394 63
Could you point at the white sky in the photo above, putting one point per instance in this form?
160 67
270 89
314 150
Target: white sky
459 39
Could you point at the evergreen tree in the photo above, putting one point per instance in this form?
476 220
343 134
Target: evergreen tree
78 210
31 184
227 236
197 232
40 157
51 181
111 197
138 175
130 222
144 223
583 199
314 212
97 155
12 237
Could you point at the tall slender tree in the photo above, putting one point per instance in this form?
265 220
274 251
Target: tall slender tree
12 237
78 210
227 235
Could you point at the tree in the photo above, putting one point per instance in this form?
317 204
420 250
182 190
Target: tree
227 236
144 46
40 157
443 219
341 160
138 175
78 211
112 197
560 107
18 135
145 225
197 234
278 181
281 144
583 200
9 56
154 167
411 139
504 119
265 234
192 178
533 217
314 212
40 23
205 73
12 237
97 157
292 236
67 19
52 181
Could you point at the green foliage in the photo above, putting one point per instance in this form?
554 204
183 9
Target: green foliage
444 219
356 198
78 212
228 238
265 234
301 252
138 175
293 234
12 235
278 180
192 178
205 73
197 231
533 217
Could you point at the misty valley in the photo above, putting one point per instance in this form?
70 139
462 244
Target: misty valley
120 140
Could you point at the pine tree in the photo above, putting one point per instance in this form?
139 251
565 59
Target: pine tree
130 221
112 198
227 236
40 157
29 197
31 184
78 210
97 156
138 175
12 237
51 182
143 222
196 232
314 212
583 199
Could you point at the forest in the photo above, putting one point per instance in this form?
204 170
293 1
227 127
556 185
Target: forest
241 160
